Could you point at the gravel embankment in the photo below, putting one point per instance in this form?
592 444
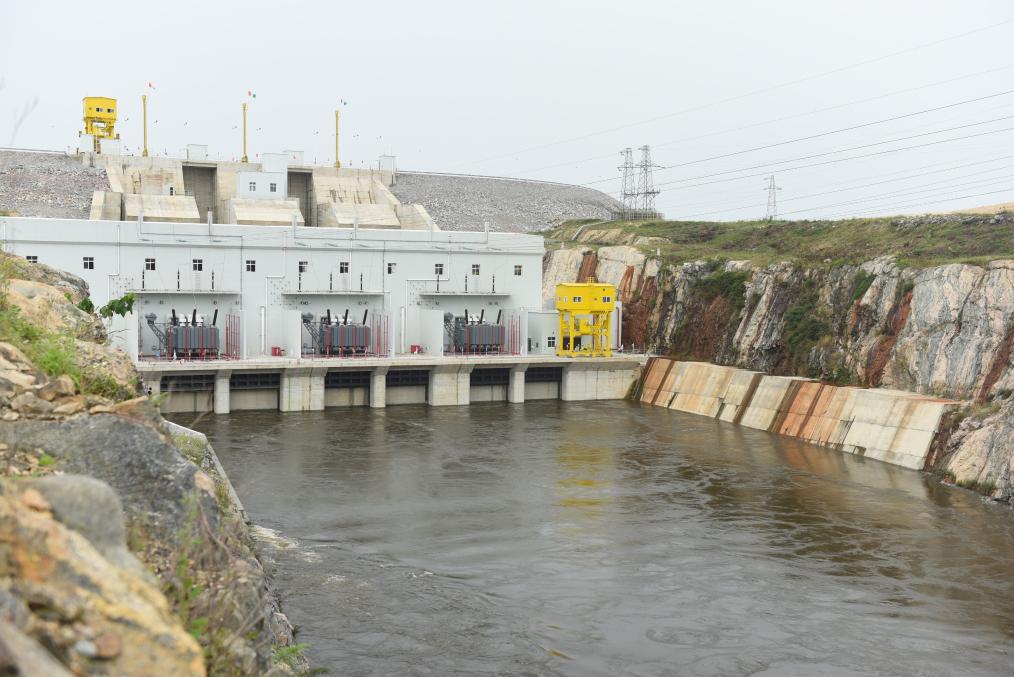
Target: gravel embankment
47 184
465 202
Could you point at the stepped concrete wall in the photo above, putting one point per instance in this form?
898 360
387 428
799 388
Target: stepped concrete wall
893 426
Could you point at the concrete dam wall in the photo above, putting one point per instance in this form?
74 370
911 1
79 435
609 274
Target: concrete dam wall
893 426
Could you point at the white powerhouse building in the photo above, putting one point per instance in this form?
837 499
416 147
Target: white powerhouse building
255 283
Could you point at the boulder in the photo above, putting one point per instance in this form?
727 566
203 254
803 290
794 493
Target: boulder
49 309
75 594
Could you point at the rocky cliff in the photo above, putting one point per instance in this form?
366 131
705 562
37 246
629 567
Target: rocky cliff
121 551
944 330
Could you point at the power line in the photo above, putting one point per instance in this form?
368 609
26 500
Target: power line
786 117
866 185
829 162
831 132
921 203
738 97
874 198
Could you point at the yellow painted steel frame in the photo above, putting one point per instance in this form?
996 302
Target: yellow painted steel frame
585 310
100 119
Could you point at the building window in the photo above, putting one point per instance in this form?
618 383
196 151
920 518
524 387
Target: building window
550 341
251 266
607 299
391 267
273 187
438 268
172 191
343 267
303 265
149 264
517 270
475 269
32 259
89 262
198 264
576 299
253 186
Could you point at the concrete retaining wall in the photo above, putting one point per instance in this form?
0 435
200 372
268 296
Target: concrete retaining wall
888 425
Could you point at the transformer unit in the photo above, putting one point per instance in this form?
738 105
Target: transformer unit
186 337
338 335
471 334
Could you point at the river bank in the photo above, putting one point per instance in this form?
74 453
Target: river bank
933 313
123 550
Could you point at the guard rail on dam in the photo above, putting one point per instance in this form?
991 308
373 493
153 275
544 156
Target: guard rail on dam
289 384
888 425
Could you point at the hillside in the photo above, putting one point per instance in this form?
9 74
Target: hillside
917 241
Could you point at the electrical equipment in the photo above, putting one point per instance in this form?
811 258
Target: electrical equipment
186 337
585 310
338 335
472 334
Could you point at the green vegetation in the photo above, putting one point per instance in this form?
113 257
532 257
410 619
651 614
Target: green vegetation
45 461
289 655
120 306
730 285
861 284
919 243
86 305
54 355
805 326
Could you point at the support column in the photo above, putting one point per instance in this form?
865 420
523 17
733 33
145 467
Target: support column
574 385
516 387
450 384
316 402
378 388
297 389
222 391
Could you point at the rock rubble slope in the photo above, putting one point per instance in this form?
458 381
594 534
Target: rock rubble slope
47 185
459 202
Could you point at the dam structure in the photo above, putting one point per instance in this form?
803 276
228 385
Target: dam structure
283 286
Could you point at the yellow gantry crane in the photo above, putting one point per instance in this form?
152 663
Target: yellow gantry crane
585 310
100 119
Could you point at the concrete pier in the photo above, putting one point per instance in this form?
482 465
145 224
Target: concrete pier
290 384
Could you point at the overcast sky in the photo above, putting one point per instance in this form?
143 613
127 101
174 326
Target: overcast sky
552 90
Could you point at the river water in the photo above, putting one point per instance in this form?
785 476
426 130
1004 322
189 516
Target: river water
610 538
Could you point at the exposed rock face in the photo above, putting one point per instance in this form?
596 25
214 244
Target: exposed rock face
20 269
59 590
45 306
960 317
980 454
74 598
946 331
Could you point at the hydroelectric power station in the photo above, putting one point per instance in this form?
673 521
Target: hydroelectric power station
293 286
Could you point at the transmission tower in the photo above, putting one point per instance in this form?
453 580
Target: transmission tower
772 211
645 183
629 190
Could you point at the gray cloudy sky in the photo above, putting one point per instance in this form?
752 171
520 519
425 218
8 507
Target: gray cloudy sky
553 90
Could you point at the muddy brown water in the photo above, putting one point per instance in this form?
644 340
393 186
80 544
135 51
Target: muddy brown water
611 538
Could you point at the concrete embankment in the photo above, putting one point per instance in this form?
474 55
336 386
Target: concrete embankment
893 426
